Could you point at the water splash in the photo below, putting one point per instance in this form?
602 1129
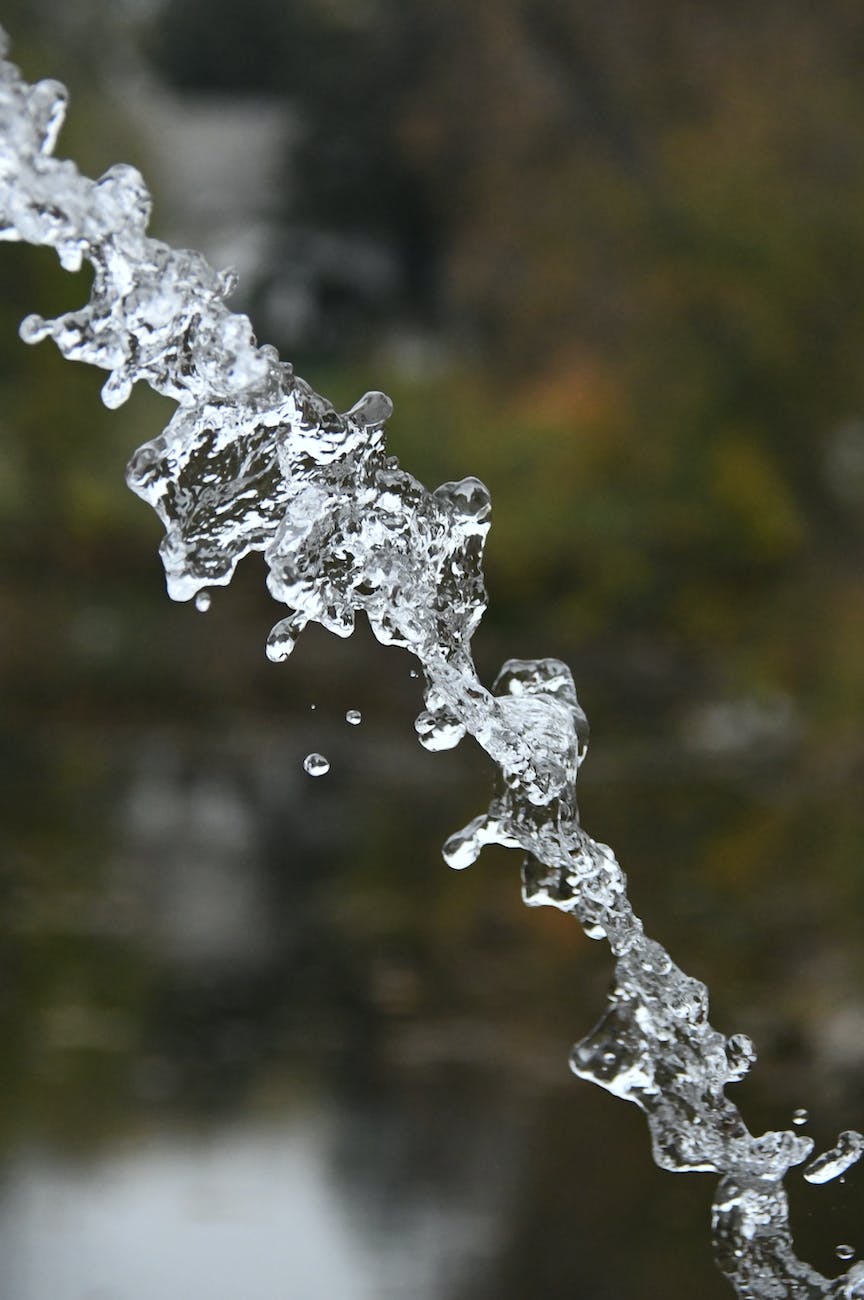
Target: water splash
846 1151
255 460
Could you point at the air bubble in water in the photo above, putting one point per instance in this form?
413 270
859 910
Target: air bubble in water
800 1116
203 601
354 716
844 1251
316 765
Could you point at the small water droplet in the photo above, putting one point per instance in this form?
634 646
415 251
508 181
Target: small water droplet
282 640
844 1251
354 716
313 707
372 410
203 601
437 731
316 765
33 328
413 673
800 1116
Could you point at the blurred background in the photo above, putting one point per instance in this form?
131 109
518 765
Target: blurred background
258 1042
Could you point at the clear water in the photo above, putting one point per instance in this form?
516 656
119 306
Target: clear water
255 461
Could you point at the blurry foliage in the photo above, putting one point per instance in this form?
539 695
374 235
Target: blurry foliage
639 228
631 239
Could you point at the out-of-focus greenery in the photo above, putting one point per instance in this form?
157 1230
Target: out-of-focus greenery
631 239
630 296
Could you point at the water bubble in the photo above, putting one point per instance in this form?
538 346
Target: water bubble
316 764
313 707
800 1116
844 1251
354 716
203 601
414 673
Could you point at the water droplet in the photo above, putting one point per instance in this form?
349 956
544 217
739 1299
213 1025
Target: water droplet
354 716
316 765
437 731
800 1116
846 1151
469 499
116 390
203 601
228 282
741 1054
372 410
33 328
414 673
844 1251
313 707
282 640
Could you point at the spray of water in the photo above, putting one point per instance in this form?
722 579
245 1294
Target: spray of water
254 460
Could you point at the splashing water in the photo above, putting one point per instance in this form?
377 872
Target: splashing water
848 1149
254 460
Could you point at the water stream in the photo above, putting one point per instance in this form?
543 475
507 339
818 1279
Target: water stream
253 460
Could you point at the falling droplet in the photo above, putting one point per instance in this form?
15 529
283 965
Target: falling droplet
203 601
844 1251
437 731
354 716
800 1116
282 640
33 328
316 764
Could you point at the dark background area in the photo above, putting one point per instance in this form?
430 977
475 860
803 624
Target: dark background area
610 259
